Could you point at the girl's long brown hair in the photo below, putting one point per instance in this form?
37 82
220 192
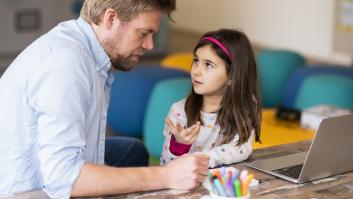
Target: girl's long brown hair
240 108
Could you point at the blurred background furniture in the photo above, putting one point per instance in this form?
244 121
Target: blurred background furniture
307 86
331 89
130 94
182 61
164 94
294 83
274 68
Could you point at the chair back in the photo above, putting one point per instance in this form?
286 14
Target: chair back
164 94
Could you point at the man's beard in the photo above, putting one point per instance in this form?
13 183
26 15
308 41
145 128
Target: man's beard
118 61
123 64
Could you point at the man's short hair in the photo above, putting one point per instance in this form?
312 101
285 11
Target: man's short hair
93 10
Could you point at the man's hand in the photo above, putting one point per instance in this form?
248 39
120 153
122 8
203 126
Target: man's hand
181 135
187 172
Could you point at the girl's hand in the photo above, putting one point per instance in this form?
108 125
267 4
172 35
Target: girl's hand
181 135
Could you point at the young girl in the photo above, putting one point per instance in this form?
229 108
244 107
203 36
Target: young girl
222 114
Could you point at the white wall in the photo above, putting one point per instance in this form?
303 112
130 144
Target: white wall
306 26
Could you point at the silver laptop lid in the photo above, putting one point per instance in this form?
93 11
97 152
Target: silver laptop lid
330 153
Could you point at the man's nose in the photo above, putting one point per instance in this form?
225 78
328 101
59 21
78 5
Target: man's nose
148 43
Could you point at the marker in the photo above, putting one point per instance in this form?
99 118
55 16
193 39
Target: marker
213 187
209 175
224 180
245 184
237 188
243 175
223 171
217 173
219 187
235 175
210 179
230 174
230 190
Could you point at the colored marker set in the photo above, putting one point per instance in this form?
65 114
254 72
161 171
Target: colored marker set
230 182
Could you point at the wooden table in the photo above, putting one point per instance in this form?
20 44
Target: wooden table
270 187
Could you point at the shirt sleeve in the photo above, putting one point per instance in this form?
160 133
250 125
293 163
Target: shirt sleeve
177 148
167 155
230 153
59 94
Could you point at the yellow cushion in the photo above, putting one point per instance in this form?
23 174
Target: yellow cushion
181 61
276 132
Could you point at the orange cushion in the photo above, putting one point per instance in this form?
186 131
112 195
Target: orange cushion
181 61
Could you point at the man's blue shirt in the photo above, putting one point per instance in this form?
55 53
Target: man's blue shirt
53 111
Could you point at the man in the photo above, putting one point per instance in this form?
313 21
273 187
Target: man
54 101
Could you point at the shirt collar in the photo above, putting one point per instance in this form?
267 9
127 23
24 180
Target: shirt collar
100 56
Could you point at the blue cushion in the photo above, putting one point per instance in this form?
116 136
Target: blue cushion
296 80
130 94
275 67
331 89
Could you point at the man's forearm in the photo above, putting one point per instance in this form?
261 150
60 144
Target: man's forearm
185 173
98 180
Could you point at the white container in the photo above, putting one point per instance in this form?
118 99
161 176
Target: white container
311 117
214 196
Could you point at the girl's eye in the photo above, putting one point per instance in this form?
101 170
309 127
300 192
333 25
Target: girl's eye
195 60
209 66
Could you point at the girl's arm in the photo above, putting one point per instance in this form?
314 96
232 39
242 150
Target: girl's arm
167 156
230 153
178 139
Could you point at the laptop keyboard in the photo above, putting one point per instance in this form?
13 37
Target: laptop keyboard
292 171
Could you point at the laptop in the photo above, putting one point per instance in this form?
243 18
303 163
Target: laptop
330 153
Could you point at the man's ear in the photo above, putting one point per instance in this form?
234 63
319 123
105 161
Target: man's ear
110 17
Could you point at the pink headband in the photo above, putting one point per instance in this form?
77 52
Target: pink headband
219 44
